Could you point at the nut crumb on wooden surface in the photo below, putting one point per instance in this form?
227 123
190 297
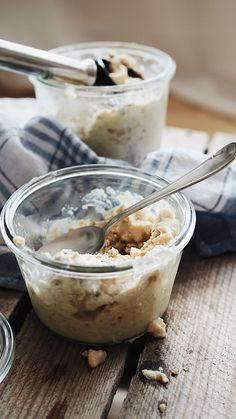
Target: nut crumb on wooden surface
162 407
174 371
157 328
95 357
18 241
156 375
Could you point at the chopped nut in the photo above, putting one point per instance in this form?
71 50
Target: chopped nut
162 407
19 241
155 375
119 75
158 328
174 371
95 358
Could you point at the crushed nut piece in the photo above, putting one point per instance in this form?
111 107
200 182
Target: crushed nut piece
174 371
95 358
158 328
156 375
19 241
162 407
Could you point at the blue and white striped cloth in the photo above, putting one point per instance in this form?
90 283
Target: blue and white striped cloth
44 145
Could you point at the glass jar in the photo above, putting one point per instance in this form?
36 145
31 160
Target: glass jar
122 121
7 347
92 304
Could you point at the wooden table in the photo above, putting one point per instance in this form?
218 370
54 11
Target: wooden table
50 379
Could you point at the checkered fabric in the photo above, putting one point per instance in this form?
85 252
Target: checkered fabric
44 145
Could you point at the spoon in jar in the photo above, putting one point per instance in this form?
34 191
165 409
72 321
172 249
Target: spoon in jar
90 239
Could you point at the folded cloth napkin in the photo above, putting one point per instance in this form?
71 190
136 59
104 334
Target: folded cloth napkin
44 145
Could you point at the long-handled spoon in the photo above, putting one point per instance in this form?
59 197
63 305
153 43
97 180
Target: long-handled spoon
90 239
32 61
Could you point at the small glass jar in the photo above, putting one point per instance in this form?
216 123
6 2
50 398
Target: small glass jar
122 121
92 304
7 347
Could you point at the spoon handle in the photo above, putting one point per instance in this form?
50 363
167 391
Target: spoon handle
208 168
26 60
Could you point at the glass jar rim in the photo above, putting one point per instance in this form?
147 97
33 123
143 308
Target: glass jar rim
7 347
169 67
35 184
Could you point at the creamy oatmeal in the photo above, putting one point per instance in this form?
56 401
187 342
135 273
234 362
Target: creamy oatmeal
118 305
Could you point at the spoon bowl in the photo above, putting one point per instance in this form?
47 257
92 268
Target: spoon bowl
87 239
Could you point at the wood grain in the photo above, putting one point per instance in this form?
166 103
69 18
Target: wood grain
9 301
50 379
201 341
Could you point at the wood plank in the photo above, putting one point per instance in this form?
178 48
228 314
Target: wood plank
186 115
201 341
9 301
50 379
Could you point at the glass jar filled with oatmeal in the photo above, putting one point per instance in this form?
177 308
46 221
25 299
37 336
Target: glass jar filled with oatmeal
107 297
124 121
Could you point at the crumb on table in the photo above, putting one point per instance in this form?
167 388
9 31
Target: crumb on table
157 328
95 357
156 375
162 407
174 371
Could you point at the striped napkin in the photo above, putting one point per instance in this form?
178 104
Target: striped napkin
44 144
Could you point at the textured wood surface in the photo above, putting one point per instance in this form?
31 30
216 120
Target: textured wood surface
50 379
9 301
201 341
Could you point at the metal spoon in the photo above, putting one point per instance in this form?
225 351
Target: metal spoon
26 60
90 239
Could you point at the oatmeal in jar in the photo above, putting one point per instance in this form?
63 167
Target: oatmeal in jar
124 121
122 304
119 293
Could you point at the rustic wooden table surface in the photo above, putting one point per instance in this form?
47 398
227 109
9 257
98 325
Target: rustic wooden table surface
49 378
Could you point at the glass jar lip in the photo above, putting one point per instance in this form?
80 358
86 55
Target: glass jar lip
24 191
168 71
7 347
